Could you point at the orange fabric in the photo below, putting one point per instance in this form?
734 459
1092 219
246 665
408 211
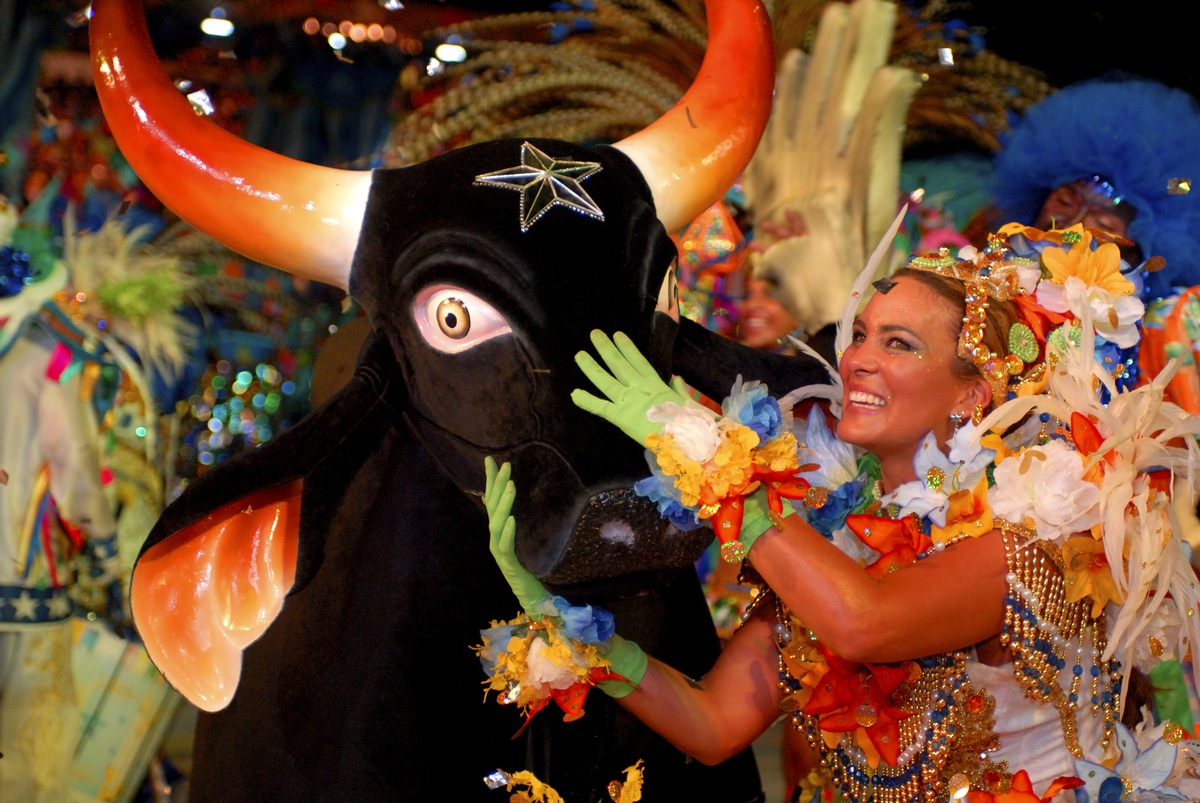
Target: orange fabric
1172 330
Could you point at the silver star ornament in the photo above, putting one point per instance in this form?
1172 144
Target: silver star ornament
544 183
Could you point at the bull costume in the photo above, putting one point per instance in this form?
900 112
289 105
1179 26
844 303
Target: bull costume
317 597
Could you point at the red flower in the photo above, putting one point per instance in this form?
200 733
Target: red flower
1021 791
854 697
898 540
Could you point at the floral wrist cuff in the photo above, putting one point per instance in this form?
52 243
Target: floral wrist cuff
558 657
704 464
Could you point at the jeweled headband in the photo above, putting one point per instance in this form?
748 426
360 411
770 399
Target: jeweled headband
992 274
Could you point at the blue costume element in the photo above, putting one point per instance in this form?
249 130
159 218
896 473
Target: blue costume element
1137 134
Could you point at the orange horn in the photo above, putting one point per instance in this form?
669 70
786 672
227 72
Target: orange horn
299 217
692 154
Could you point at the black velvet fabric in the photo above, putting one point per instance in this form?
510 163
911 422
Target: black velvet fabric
347 695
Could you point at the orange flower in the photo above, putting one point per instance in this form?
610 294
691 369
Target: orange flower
967 514
1037 235
898 540
1087 573
1021 791
853 698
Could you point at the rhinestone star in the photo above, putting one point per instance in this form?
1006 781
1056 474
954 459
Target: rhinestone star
545 182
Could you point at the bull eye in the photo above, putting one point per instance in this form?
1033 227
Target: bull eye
668 294
453 320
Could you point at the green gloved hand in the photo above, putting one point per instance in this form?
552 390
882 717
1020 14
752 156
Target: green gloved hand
631 389
629 662
626 657
498 495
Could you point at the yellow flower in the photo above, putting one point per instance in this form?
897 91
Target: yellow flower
993 441
688 474
968 514
1087 573
1100 268
778 455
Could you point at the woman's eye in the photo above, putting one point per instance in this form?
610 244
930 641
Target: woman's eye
857 337
897 343
452 319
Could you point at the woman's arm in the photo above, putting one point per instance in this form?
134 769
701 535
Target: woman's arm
721 714
950 600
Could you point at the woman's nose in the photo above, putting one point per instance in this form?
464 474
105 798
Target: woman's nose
860 359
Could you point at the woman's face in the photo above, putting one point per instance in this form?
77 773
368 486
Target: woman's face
897 372
762 319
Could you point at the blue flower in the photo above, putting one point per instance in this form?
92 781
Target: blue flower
1109 356
584 623
655 489
831 516
495 641
751 405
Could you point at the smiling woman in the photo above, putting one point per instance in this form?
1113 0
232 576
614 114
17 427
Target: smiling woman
988 461
902 375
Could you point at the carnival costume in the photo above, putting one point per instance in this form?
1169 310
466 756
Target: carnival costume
1073 466
1132 140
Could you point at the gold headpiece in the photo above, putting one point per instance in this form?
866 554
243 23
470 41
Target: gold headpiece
993 273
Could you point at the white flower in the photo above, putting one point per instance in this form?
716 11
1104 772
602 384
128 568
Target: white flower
920 496
853 547
1113 317
836 460
1159 640
693 427
544 670
1141 770
1028 277
1045 484
969 458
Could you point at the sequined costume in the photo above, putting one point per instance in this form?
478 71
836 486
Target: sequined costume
961 721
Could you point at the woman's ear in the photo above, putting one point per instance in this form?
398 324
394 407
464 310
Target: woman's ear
977 395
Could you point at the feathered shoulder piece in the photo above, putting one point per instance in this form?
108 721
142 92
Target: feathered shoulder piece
1093 454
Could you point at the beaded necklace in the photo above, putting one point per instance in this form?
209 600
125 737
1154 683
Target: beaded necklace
945 729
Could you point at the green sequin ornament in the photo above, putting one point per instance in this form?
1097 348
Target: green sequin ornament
1022 342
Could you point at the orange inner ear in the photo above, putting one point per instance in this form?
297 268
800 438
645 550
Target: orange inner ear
203 595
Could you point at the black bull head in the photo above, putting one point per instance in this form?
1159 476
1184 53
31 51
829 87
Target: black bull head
365 516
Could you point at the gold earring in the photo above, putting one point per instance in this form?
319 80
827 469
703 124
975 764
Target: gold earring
977 414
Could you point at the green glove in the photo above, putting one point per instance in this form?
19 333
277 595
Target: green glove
629 662
631 389
498 495
627 658
757 518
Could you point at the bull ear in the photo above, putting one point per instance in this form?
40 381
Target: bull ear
204 595
217 568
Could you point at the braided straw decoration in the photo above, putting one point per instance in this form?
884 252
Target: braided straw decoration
598 85
968 103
